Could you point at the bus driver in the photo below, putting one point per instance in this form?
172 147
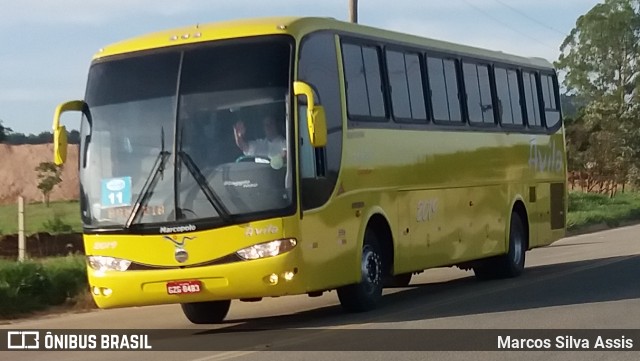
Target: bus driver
273 145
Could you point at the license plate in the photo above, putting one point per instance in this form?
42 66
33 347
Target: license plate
183 287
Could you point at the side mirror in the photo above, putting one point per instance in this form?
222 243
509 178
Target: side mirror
60 131
60 145
316 119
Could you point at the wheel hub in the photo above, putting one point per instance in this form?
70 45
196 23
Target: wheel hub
371 269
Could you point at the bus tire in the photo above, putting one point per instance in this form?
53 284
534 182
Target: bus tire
513 261
366 294
206 312
510 264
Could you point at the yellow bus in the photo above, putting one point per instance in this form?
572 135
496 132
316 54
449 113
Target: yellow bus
270 157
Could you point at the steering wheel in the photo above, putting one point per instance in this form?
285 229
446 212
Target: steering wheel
188 214
248 158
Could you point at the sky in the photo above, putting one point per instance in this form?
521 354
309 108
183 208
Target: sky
47 45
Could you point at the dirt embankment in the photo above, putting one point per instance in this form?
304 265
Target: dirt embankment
19 177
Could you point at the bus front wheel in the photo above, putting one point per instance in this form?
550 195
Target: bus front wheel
364 296
206 312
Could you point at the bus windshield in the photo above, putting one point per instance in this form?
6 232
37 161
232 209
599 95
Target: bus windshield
187 133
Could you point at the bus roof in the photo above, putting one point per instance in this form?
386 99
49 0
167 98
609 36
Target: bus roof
298 26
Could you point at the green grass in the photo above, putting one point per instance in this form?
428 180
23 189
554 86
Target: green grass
37 214
586 209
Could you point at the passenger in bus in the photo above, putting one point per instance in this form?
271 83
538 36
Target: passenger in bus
273 145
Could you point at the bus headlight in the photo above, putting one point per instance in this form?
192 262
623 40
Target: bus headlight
267 249
103 263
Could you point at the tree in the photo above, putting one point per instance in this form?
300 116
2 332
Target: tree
601 58
15 138
4 131
50 176
73 137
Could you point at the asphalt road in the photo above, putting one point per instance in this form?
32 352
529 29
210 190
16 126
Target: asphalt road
582 282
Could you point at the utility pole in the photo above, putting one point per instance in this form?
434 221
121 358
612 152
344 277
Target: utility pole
22 245
353 11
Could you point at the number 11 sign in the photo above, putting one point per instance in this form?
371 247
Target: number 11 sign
116 192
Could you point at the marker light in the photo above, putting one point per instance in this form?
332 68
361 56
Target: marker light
268 249
273 279
288 276
102 263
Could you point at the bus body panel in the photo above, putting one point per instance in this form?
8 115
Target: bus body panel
457 189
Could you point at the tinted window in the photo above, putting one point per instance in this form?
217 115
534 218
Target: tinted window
405 79
357 98
443 86
364 83
545 92
399 86
531 98
508 96
318 67
476 82
416 91
514 90
551 111
374 81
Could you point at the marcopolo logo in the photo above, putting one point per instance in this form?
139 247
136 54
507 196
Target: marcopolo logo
177 229
180 253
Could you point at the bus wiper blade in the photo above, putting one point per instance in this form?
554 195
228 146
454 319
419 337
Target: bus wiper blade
212 197
149 184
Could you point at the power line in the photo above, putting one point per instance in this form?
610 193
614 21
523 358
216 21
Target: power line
521 13
508 26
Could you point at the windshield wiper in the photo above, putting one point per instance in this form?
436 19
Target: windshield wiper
212 197
150 183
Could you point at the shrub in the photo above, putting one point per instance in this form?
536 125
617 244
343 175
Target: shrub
31 286
67 276
56 225
23 287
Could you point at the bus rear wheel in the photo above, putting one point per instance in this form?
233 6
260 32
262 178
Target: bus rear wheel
364 296
510 264
206 312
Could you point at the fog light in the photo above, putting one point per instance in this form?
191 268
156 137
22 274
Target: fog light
95 290
273 279
288 276
107 292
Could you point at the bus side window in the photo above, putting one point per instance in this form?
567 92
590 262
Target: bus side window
443 89
549 96
478 91
319 168
404 74
531 98
510 111
363 79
